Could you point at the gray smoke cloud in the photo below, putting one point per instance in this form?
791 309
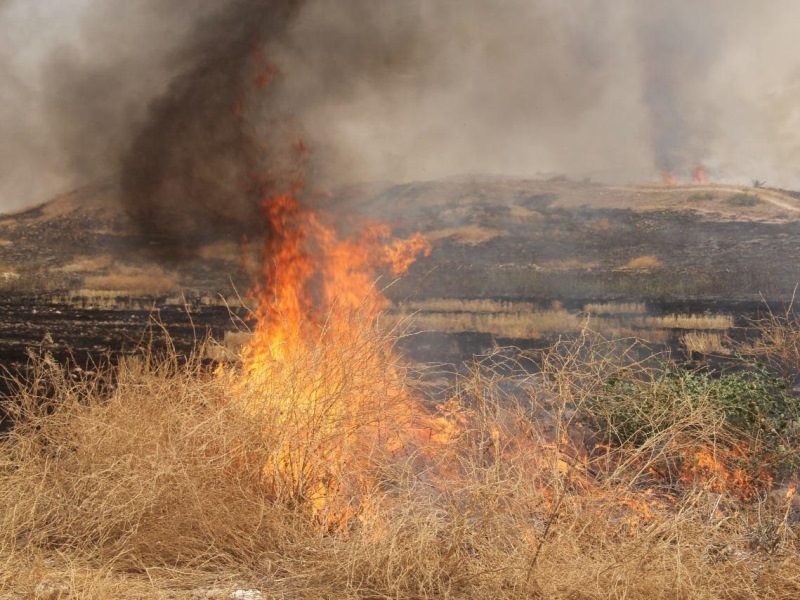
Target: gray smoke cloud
613 89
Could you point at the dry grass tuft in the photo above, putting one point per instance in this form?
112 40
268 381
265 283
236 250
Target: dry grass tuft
705 343
130 279
517 324
691 321
468 234
641 263
615 308
147 466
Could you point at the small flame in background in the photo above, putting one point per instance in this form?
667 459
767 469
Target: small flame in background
699 175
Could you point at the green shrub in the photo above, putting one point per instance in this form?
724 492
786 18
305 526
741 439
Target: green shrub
701 196
744 199
749 406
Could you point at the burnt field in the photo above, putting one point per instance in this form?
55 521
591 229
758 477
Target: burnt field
86 335
85 338
513 262
517 262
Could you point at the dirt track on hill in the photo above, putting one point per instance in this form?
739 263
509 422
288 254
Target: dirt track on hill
774 197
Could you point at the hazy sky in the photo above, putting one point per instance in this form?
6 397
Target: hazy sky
617 90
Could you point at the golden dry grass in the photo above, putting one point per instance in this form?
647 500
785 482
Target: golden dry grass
567 264
468 234
88 264
705 343
220 251
523 325
157 479
642 263
525 320
130 279
615 308
691 321
458 305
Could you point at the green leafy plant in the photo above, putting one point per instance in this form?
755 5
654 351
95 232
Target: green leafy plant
751 406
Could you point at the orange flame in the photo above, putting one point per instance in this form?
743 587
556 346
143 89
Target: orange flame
711 470
669 178
339 392
699 175
317 369
308 272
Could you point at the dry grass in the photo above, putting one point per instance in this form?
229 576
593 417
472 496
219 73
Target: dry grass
88 264
695 322
615 308
457 305
468 234
220 251
160 479
524 320
129 279
641 263
705 343
622 329
777 343
568 264
522 325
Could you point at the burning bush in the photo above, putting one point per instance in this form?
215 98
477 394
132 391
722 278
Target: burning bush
315 480
747 417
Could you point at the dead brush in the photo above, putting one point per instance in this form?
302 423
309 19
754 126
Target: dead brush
777 342
513 506
160 477
148 466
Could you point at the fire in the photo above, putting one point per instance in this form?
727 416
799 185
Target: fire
699 175
318 371
669 178
714 471
311 275
317 362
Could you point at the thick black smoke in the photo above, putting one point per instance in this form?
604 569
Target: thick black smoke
211 146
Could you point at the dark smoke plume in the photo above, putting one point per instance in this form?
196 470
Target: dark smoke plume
209 150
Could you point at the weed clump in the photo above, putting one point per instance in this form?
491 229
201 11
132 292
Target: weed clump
701 196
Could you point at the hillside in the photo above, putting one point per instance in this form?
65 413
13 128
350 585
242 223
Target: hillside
492 238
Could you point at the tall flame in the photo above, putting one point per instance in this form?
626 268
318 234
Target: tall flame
310 275
317 362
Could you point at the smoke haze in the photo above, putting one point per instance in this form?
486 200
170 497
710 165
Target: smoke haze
617 90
